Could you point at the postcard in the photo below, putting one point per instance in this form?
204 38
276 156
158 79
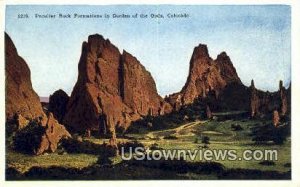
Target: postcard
118 92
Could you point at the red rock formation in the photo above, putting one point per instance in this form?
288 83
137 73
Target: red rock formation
21 122
54 132
58 104
205 75
276 118
226 68
262 103
254 100
95 98
217 81
20 96
138 88
208 112
23 103
111 90
283 98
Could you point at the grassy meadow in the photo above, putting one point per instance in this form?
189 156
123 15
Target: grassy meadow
186 135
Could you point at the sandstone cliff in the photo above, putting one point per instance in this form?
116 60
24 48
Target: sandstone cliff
265 102
216 82
35 132
112 89
138 89
205 76
20 98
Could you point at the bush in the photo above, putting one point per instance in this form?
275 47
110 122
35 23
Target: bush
170 137
155 146
205 140
86 147
268 132
196 140
28 139
236 127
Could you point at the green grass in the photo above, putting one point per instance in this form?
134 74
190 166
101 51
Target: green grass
221 137
23 162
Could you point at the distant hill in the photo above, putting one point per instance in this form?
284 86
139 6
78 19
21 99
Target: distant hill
44 99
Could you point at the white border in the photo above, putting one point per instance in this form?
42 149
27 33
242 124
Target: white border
295 4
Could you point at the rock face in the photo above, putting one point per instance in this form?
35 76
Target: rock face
138 89
20 96
58 104
254 100
208 113
21 122
23 107
217 82
276 118
54 132
112 89
205 75
265 102
283 98
39 137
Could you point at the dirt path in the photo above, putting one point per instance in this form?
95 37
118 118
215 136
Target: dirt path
174 131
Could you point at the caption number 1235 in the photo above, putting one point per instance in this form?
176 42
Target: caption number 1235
22 16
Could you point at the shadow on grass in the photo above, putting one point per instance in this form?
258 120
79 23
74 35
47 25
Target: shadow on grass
143 170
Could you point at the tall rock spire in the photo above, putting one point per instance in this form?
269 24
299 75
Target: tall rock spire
112 89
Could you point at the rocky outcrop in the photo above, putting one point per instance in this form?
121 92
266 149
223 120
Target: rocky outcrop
263 103
138 89
216 82
205 75
112 89
35 132
20 98
208 112
254 100
283 98
53 134
39 137
58 104
276 118
21 122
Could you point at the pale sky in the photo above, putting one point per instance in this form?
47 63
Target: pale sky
257 39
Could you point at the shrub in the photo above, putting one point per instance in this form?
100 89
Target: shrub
268 132
236 127
170 137
205 140
28 139
196 140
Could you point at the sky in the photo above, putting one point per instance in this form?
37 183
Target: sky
256 37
